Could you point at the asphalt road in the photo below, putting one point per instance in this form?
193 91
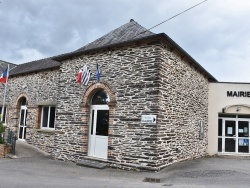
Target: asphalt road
41 171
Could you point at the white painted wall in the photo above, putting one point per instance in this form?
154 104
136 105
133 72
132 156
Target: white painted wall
217 101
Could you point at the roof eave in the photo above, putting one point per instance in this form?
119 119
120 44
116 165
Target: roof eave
32 71
7 62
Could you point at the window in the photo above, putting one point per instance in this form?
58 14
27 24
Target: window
100 97
48 117
3 117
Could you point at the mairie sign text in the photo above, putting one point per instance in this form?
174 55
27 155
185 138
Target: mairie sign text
238 93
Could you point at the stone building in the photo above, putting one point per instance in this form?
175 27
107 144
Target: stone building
149 110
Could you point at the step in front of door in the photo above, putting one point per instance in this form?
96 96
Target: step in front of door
92 164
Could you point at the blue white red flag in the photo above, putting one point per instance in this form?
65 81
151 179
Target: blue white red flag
4 76
84 75
98 73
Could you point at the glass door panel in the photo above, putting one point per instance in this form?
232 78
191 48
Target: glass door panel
219 144
243 135
243 145
92 121
220 127
22 117
230 136
22 123
20 132
102 123
243 128
220 135
230 144
230 128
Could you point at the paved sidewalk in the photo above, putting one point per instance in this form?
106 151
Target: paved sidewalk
26 150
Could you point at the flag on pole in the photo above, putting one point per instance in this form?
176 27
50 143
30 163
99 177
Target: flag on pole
4 80
98 73
4 76
84 75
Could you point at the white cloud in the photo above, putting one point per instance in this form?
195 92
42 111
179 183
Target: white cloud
27 55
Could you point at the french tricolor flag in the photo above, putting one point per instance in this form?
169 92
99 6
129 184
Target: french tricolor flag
4 76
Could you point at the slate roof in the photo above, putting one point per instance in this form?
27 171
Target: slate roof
126 32
4 65
33 66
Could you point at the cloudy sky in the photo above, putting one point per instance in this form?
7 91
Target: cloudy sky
216 33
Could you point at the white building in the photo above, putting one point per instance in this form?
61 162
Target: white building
228 118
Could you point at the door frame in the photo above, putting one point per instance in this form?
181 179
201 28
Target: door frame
236 137
92 137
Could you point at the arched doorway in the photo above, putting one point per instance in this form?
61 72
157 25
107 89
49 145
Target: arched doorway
99 125
22 119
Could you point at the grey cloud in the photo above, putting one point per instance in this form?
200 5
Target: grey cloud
214 33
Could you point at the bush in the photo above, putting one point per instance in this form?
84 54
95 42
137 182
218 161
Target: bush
2 130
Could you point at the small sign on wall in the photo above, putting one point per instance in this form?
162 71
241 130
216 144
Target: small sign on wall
201 129
230 130
148 119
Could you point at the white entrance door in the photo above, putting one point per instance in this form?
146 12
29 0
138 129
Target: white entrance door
98 131
22 123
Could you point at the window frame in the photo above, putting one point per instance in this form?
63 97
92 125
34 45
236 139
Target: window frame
48 118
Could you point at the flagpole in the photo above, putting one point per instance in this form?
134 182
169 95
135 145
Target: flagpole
4 96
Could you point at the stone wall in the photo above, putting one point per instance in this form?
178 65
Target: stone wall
36 88
131 72
183 103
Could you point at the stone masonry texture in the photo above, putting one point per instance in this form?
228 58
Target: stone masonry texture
143 79
36 88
